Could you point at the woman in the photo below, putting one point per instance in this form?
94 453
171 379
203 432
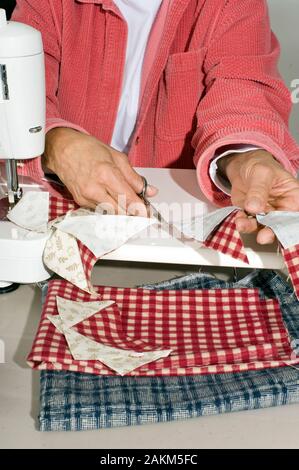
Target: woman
166 83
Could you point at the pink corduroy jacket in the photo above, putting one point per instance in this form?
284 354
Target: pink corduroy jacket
213 81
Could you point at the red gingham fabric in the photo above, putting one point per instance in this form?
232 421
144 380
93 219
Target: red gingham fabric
209 331
227 239
291 258
60 206
88 261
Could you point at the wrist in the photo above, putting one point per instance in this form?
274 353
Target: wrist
230 165
56 143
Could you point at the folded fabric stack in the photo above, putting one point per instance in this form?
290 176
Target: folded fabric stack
83 401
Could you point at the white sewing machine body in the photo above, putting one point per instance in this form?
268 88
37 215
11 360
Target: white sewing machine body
22 91
22 136
21 255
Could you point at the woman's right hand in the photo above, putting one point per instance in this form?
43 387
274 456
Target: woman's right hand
94 173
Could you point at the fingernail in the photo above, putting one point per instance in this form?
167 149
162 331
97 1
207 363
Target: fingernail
152 189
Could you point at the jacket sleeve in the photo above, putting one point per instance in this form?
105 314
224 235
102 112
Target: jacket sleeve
246 101
44 17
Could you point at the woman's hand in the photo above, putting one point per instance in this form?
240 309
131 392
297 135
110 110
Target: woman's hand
94 173
259 184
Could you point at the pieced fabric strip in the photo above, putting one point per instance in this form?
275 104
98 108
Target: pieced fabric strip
79 237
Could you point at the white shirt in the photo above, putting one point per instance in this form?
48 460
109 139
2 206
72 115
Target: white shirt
140 16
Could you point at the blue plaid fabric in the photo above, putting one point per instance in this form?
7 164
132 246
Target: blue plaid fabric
72 401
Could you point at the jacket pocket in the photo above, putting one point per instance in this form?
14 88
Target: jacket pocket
180 90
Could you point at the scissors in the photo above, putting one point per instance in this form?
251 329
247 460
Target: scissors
142 194
147 203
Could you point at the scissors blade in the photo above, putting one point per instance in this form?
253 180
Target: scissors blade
153 212
168 227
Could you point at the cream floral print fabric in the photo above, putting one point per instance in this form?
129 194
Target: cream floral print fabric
32 211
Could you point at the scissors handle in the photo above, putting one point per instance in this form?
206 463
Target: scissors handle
142 195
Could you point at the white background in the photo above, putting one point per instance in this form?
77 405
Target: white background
285 24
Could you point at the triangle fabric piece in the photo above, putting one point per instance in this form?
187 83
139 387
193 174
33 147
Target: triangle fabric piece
32 211
60 206
120 360
74 312
88 260
62 256
284 224
200 227
227 240
102 234
57 322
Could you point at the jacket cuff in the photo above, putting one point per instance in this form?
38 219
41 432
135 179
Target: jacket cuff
220 180
52 123
203 161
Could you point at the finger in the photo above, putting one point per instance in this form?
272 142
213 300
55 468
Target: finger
289 202
265 236
132 177
246 225
97 198
82 200
151 191
109 206
260 185
124 195
85 203
129 174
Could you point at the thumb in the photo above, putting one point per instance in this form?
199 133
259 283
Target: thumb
260 183
132 177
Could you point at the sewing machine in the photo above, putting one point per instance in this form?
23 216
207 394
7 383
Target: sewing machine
22 136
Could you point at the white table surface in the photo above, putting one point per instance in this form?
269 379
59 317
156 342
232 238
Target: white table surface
181 187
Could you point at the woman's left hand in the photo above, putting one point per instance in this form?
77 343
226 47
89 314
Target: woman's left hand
259 184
